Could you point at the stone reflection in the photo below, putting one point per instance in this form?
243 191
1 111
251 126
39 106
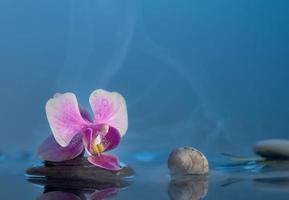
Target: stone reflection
188 187
62 189
277 184
77 189
57 195
78 195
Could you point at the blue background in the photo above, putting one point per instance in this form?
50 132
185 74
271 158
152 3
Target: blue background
199 73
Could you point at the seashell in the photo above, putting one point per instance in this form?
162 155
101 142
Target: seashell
187 161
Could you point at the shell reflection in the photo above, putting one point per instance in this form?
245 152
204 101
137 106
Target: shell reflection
188 188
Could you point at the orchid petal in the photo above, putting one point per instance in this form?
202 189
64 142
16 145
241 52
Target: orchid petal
50 150
109 108
111 138
105 161
64 117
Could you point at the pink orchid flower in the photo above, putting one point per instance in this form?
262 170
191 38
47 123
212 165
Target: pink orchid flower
73 130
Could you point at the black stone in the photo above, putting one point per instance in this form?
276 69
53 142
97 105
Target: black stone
78 173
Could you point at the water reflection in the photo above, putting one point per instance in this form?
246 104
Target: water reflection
188 188
70 189
59 195
78 195
277 184
268 175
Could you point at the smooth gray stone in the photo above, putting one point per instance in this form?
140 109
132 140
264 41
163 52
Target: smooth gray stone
77 169
273 149
186 161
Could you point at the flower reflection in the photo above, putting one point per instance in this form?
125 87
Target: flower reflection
76 195
277 184
59 195
188 188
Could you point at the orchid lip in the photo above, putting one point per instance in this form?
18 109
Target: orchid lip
95 140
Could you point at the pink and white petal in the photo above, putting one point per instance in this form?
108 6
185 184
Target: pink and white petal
50 150
109 108
83 112
105 161
64 117
104 194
